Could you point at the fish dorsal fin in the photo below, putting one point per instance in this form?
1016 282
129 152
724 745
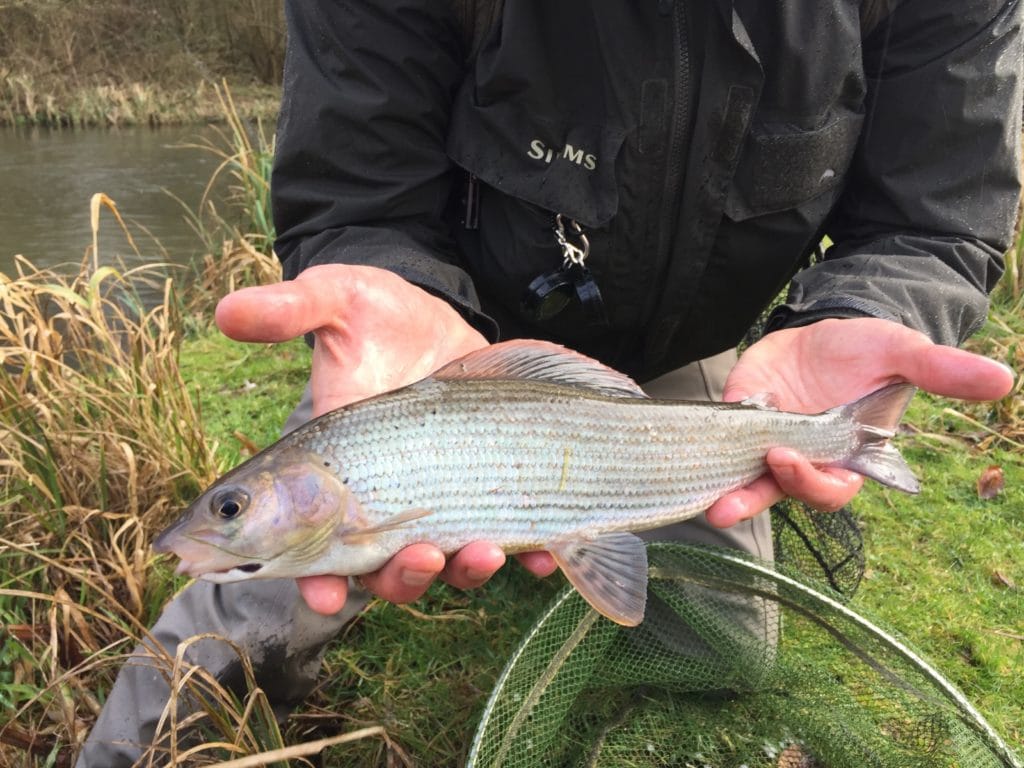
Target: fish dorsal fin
540 361
609 571
764 401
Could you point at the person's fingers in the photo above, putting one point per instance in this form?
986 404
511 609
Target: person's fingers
748 501
827 488
539 563
473 565
835 361
324 594
406 576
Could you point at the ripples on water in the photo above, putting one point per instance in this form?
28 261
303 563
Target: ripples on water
49 176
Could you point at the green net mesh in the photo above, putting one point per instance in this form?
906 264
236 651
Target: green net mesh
737 663
825 547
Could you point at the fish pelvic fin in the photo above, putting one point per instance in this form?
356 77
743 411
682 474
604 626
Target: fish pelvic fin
877 416
540 361
609 571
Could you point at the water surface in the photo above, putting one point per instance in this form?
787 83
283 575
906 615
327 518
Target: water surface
49 176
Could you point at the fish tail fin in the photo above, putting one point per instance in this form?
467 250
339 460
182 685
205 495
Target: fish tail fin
877 416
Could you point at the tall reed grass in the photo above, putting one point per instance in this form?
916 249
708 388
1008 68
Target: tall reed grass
100 442
238 235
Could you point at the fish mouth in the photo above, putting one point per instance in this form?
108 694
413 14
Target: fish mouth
220 575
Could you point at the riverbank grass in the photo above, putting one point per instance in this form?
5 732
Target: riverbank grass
79 63
26 102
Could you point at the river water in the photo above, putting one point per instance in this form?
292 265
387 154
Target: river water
47 178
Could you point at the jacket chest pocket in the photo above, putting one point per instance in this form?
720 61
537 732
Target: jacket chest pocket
781 168
528 168
553 163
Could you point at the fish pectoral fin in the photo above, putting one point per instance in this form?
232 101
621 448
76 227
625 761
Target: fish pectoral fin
609 571
354 535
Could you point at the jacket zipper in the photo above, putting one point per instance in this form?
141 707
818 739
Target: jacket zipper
678 132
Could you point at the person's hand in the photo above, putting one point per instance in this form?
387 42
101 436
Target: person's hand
374 332
830 363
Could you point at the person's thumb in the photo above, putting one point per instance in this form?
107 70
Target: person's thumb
279 312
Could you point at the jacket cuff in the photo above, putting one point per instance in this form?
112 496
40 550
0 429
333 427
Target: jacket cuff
832 307
439 278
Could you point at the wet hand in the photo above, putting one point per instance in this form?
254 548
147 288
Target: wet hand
374 332
833 362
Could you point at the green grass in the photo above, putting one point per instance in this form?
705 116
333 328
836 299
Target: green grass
947 569
424 671
244 392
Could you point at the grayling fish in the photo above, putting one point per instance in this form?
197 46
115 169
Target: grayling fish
525 444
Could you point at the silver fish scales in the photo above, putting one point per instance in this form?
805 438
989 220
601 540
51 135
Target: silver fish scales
524 444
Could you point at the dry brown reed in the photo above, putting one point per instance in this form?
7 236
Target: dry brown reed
94 411
245 153
99 443
239 239
239 264
99 440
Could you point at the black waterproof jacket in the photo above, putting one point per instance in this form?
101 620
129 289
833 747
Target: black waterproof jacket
705 147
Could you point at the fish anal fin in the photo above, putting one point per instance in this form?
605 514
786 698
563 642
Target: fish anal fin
540 361
354 535
609 571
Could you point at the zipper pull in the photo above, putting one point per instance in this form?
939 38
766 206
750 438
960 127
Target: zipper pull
471 211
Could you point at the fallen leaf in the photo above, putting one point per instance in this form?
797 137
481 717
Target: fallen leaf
1000 579
991 482
248 446
794 757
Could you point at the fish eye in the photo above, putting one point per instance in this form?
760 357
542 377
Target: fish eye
229 504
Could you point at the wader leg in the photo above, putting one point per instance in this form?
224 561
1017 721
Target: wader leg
705 380
754 619
268 618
